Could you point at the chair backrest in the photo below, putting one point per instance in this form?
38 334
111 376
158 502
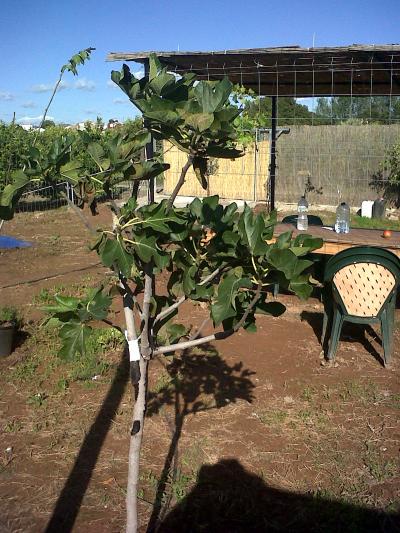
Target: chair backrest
313 220
363 279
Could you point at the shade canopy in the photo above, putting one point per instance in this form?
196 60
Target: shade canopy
359 70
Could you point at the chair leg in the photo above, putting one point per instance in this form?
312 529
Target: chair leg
335 335
327 320
324 326
276 290
387 322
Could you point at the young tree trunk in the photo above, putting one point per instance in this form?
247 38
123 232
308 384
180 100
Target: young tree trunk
134 449
140 385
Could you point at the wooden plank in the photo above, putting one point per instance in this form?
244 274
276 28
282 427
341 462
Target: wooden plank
336 242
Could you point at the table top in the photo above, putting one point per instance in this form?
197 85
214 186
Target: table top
335 242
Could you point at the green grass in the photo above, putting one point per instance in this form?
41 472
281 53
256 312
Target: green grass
359 391
379 468
329 217
374 223
273 417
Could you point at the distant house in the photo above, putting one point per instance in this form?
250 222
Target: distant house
113 123
28 127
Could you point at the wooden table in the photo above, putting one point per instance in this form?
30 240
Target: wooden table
336 242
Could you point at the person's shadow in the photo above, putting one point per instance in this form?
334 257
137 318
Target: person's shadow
229 499
196 383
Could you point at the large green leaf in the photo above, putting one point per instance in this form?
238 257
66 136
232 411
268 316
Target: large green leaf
225 305
74 336
283 260
72 171
159 218
175 332
98 304
284 240
64 304
301 287
212 96
224 152
308 242
154 66
145 246
251 231
199 121
188 279
200 169
11 193
113 252
127 82
161 83
145 170
96 152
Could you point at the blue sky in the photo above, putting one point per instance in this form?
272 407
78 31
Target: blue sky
39 36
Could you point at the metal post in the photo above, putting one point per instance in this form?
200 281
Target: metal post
272 161
149 146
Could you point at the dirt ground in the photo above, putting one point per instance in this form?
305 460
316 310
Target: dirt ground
250 434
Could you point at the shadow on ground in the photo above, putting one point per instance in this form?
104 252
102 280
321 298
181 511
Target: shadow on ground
228 499
70 499
196 382
354 333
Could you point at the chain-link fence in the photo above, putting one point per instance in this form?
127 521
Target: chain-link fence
39 198
53 196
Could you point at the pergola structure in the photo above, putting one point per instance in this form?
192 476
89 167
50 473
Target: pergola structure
356 70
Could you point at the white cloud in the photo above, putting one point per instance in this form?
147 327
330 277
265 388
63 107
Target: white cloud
42 88
85 85
91 112
28 105
120 101
48 87
33 120
4 95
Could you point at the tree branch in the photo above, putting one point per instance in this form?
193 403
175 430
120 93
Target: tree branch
78 212
181 181
47 108
197 333
175 305
219 335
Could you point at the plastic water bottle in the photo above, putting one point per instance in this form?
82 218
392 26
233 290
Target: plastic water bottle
302 218
342 224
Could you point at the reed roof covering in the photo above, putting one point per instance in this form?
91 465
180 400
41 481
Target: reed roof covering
356 70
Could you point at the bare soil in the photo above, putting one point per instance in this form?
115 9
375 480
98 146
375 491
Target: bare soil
250 434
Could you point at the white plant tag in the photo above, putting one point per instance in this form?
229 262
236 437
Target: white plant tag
133 345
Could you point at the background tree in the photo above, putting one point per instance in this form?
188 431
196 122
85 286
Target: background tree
48 124
365 109
289 111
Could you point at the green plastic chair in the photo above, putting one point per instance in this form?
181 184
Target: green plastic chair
360 287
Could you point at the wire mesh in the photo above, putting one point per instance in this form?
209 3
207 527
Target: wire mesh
53 196
337 151
43 198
